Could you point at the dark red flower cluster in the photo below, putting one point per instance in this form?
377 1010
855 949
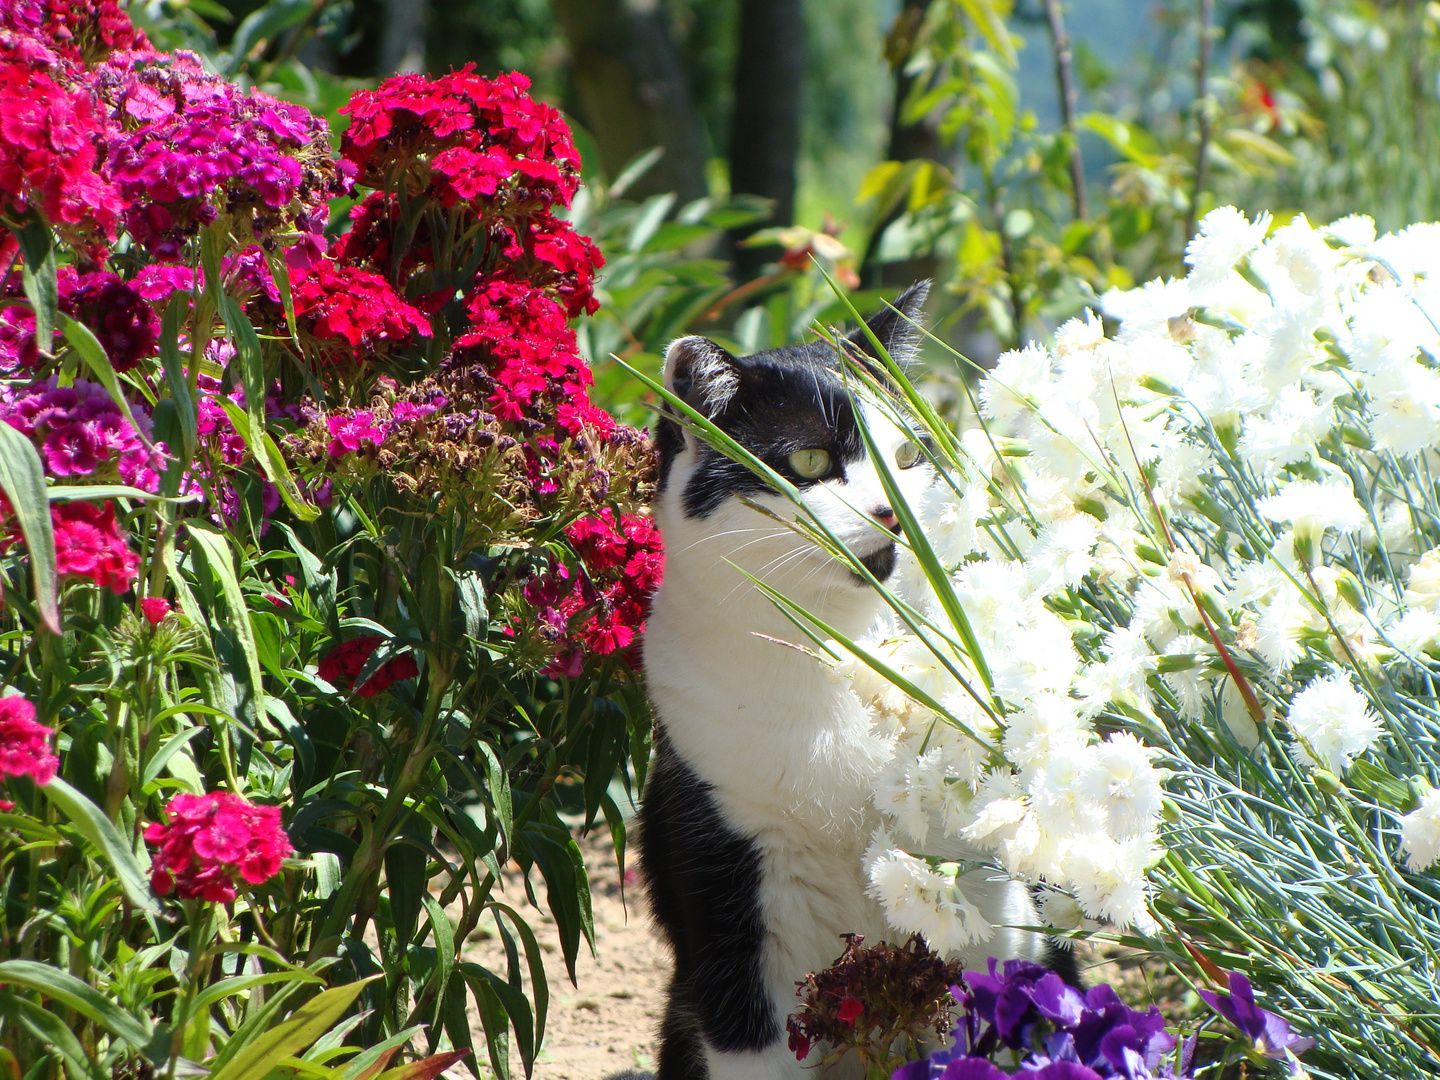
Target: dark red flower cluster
24 744
343 664
603 610
347 304
462 137
211 843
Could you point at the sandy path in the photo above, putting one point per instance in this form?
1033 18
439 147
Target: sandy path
606 1025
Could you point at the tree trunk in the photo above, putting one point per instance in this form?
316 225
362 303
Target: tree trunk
632 93
402 50
907 142
765 127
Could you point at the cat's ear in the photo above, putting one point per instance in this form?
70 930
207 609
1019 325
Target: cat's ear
701 374
894 326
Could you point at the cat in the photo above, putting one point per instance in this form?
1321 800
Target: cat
757 809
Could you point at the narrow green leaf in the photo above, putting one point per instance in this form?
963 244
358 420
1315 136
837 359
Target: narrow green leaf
272 462
95 492
219 991
22 479
444 944
42 289
305 1025
217 551
60 986
539 983
83 340
185 407
50 1029
90 821
280 273
494 1020
173 745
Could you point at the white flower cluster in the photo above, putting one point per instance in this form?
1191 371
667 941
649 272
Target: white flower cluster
1222 486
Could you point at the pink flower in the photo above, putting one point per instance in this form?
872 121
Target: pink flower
24 744
155 609
348 433
80 431
88 543
213 841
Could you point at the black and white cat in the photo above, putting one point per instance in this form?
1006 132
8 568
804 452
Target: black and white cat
758 809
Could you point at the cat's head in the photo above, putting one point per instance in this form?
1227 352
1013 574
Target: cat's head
799 410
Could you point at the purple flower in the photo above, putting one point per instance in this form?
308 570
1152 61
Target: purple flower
1061 1070
1272 1035
80 431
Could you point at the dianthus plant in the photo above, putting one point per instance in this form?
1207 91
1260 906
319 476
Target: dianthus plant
1164 640
322 573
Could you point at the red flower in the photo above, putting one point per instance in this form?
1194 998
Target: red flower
88 543
850 1010
213 840
24 744
155 609
358 307
342 666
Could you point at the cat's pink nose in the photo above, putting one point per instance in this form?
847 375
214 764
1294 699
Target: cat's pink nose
886 516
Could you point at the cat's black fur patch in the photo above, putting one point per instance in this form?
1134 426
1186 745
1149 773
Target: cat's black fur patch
703 882
783 400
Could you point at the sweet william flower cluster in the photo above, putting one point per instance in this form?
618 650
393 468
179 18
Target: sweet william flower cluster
1204 515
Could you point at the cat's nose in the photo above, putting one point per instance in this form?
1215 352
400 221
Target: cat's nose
886 517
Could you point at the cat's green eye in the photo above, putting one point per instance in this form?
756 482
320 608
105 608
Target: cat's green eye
812 463
908 456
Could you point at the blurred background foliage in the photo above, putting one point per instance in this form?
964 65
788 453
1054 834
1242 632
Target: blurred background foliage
1026 154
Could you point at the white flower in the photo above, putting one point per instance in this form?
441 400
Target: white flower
917 898
1225 237
1062 555
1078 335
1405 403
1063 912
1108 878
1018 376
1334 723
1046 727
1420 833
1415 631
1311 507
1423 588
1118 777
1357 230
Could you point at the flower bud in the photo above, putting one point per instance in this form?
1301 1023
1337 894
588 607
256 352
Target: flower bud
1327 782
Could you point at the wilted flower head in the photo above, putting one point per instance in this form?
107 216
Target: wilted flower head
211 843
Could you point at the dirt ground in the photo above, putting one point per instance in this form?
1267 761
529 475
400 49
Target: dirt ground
606 1026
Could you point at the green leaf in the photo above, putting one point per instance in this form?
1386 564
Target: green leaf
22 479
84 342
66 989
272 462
217 552
494 1020
306 1024
50 1029
444 943
90 821
172 746
539 982
185 408
96 492
42 289
219 991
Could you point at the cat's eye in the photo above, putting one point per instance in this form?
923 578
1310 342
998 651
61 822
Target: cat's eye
909 455
812 463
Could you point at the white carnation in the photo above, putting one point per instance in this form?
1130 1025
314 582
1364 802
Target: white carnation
1119 777
917 898
1226 236
1108 878
1420 833
1019 376
1311 507
1334 723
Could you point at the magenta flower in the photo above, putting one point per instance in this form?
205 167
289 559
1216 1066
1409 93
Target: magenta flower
88 543
155 609
24 744
80 431
212 842
348 433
